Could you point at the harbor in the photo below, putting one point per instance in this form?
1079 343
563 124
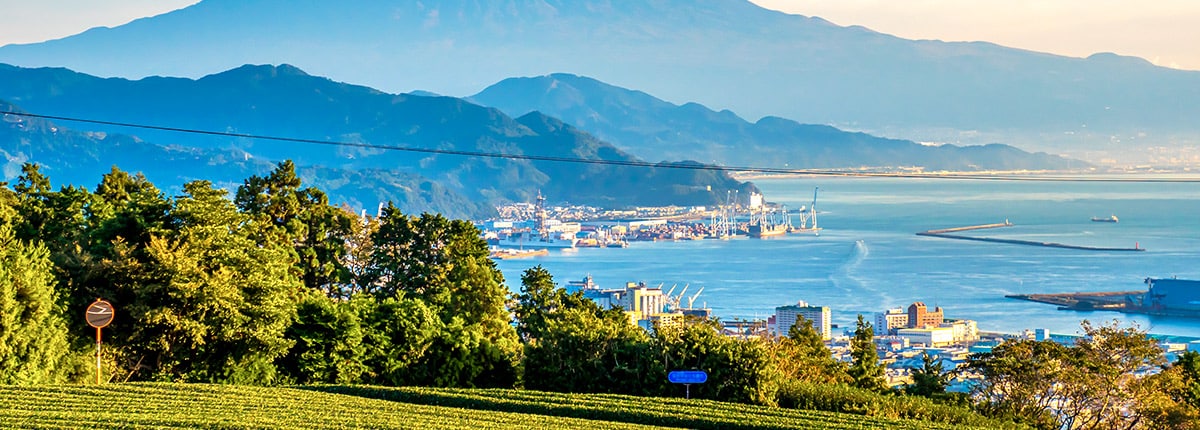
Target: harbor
538 226
867 255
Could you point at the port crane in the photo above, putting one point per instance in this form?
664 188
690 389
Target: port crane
806 215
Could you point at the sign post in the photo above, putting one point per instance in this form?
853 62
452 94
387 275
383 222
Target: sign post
687 378
99 315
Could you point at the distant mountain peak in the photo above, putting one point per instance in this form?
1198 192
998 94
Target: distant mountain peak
1113 58
265 70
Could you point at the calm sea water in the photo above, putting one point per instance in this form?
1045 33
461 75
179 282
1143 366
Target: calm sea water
868 258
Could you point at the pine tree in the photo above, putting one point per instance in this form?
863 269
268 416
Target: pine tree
928 379
865 368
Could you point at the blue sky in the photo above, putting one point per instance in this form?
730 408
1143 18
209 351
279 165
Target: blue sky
1162 31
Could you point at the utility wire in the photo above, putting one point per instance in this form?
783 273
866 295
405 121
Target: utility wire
630 163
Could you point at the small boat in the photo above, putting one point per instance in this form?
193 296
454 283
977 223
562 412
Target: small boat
1110 218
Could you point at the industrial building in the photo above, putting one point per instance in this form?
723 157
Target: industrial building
1172 296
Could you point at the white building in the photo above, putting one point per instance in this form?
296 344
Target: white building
888 321
964 330
786 317
930 337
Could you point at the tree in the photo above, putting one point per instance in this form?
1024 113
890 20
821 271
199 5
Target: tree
802 355
865 369
445 264
929 379
33 336
208 303
738 370
397 334
541 301
574 346
357 259
303 219
1188 364
328 343
1097 383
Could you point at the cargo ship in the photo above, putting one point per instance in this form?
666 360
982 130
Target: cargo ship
762 230
1110 218
540 236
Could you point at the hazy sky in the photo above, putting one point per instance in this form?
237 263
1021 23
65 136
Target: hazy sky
1162 31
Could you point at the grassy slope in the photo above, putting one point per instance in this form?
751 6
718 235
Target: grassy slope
223 406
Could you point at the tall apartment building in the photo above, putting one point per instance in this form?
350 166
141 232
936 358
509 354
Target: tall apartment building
887 322
920 317
786 317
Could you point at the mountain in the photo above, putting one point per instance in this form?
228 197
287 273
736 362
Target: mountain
729 54
393 133
655 129
69 157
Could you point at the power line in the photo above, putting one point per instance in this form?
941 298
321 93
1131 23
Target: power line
629 163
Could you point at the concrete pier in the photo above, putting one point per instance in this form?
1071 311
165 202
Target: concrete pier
945 234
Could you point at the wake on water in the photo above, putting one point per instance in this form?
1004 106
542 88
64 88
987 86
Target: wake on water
844 278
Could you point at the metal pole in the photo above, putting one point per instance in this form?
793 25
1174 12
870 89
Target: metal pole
687 390
97 355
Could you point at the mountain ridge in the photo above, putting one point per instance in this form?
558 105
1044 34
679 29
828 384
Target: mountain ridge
285 101
729 54
655 129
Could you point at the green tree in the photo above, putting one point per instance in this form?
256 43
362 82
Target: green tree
328 346
574 346
802 355
59 220
303 219
929 379
865 368
738 370
1188 364
445 264
1097 383
541 301
208 303
397 333
33 336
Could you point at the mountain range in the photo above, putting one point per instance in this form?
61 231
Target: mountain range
655 129
284 101
729 54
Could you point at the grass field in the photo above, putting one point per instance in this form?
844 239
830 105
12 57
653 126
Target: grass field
146 405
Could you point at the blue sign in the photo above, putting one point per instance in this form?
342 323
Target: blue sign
687 377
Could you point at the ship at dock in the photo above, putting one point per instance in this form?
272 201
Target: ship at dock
769 223
540 236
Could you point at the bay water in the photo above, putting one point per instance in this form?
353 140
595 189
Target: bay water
867 258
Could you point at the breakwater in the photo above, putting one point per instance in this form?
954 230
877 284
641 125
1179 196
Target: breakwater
946 233
1086 301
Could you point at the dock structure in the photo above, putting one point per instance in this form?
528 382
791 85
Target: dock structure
966 228
945 233
1121 301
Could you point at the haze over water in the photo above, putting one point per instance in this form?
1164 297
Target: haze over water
868 257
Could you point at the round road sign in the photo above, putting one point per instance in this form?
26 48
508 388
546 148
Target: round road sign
99 314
